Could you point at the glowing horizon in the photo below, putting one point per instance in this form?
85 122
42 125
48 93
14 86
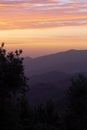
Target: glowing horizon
43 27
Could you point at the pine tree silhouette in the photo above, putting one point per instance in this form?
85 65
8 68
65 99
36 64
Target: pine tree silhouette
76 111
12 82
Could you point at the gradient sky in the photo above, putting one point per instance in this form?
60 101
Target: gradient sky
43 26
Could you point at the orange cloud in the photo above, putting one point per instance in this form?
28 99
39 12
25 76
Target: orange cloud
37 14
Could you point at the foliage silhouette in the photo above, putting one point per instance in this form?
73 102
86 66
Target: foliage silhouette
12 82
76 110
47 116
17 114
12 78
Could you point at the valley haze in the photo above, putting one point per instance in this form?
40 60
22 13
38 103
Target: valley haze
50 75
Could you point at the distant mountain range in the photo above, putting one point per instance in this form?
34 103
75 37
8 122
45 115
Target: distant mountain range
48 85
72 61
50 75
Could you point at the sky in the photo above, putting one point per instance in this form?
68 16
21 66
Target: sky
42 27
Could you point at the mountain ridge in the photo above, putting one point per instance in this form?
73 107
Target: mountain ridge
71 61
61 52
50 75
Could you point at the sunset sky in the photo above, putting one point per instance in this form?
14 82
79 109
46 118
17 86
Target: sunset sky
42 27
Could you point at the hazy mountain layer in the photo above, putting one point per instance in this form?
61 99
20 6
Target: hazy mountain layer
71 61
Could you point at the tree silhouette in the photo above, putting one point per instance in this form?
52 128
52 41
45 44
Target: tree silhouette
13 82
76 112
47 116
12 78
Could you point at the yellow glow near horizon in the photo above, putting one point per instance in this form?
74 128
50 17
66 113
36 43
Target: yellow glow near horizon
37 42
41 27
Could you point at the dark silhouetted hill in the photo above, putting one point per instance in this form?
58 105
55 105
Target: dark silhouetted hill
48 85
72 61
50 75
